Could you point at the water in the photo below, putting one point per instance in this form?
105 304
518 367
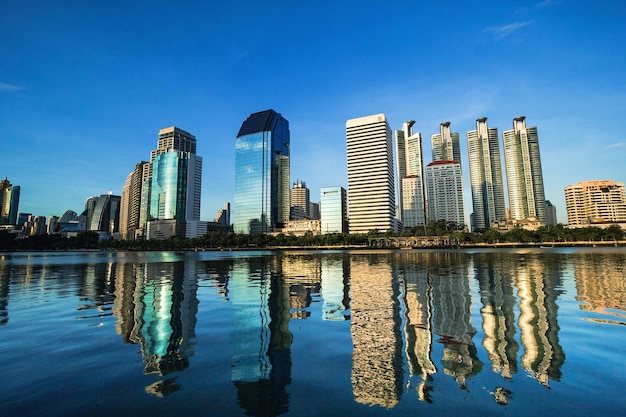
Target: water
362 333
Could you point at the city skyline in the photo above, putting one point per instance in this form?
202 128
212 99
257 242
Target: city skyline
87 116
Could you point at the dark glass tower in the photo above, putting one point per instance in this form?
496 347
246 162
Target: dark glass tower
261 173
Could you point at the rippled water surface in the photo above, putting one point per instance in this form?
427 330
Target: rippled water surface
393 333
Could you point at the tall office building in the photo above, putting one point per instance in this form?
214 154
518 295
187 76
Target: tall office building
300 199
445 144
9 202
371 189
106 214
261 202
176 177
130 205
223 215
445 192
410 162
523 171
595 202
333 210
485 175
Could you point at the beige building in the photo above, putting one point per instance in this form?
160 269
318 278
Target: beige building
595 202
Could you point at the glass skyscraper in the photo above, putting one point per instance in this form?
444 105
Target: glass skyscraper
261 202
9 201
334 210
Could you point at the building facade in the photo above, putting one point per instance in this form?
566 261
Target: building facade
445 192
485 169
445 145
333 210
595 202
130 204
371 186
410 161
106 214
523 171
261 202
9 202
300 198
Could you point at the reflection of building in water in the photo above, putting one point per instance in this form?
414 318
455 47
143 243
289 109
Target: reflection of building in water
261 341
418 331
303 274
377 341
537 281
452 321
601 285
497 312
156 306
335 294
4 294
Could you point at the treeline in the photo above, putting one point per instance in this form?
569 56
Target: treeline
226 241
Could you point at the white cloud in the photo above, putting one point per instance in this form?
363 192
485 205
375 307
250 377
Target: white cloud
507 30
617 145
9 87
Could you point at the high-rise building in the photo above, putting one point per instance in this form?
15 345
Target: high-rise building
595 202
523 171
410 162
551 218
485 175
445 144
176 178
130 205
261 202
371 187
445 192
106 214
333 210
300 199
223 215
9 202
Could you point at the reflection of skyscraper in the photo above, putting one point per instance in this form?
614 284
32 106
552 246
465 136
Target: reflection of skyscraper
334 288
261 341
262 152
485 175
371 187
537 291
418 331
497 312
452 322
156 306
377 341
4 294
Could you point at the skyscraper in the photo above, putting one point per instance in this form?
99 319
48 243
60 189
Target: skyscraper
523 171
445 144
333 210
485 175
410 167
176 177
9 201
106 214
261 201
130 205
445 192
300 199
371 189
594 202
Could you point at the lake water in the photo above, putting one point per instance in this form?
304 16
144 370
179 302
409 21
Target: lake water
329 333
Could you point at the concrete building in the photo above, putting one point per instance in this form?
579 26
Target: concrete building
410 161
485 168
130 205
300 197
595 202
445 145
445 192
371 186
523 171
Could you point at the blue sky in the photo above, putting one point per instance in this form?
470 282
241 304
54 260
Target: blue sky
86 86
